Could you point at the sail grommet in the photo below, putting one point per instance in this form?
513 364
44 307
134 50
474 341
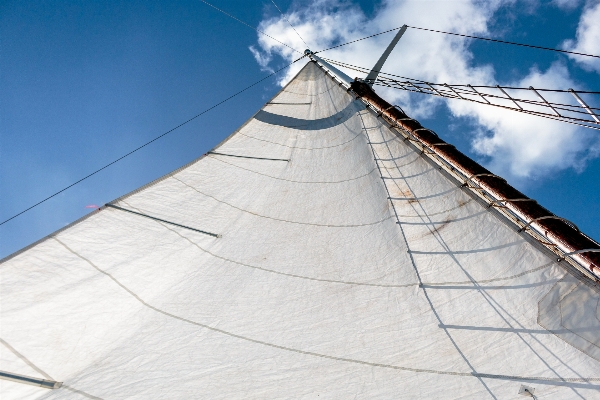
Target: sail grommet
525 390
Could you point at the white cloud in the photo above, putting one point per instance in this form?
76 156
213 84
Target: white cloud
588 38
516 145
566 4
521 145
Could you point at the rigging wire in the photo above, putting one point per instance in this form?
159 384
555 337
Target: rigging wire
428 88
367 70
357 40
507 42
288 21
149 142
467 36
248 25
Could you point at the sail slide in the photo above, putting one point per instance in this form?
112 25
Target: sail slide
314 253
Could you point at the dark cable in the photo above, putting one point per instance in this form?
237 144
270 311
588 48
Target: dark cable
366 71
358 40
248 25
147 143
467 36
384 81
288 21
506 42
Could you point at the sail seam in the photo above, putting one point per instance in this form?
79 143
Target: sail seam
354 283
25 360
301 148
320 355
280 219
290 180
409 176
360 283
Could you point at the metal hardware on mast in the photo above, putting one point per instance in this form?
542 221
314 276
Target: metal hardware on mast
372 77
342 77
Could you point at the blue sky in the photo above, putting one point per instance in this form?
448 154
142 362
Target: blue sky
85 82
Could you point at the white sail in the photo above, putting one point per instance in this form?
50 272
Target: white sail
342 264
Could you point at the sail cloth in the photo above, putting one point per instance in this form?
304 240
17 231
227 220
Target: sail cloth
313 253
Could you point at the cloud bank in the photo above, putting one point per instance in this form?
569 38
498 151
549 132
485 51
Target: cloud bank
512 144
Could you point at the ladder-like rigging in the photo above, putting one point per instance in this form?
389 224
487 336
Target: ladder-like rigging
561 105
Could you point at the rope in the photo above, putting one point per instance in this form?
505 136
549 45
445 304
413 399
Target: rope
505 42
467 36
358 40
288 21
366 70
146 144
388 82
248 25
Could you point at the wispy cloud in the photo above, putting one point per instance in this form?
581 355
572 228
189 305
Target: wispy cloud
566 4
520 146
588 38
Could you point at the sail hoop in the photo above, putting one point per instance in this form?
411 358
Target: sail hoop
564 256
469 179
548 217
379 114
494 203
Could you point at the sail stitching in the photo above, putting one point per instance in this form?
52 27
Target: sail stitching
280 219
310 353
298 147
355 283
290 180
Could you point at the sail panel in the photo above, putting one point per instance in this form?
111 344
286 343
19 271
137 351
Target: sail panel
347 264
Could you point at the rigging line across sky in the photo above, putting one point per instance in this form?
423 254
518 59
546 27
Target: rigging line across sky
462 35
248 25
366 71
574 121
288 21
147 143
